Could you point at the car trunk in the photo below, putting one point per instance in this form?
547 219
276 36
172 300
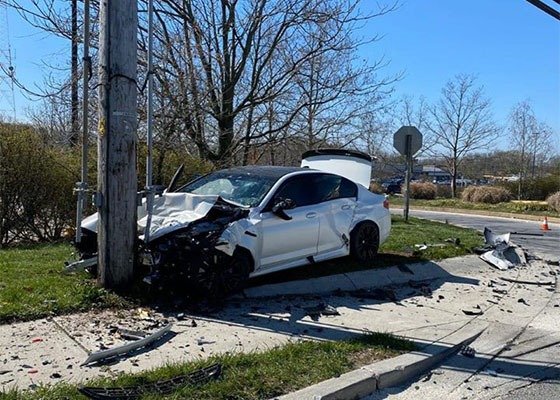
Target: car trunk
350 164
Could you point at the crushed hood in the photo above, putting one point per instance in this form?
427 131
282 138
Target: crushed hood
171 211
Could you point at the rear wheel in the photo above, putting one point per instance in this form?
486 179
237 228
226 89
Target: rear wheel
364 242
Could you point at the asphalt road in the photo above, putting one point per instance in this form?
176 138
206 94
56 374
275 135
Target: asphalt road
524 233
539 338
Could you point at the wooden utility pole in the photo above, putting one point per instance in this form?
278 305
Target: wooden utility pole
117 187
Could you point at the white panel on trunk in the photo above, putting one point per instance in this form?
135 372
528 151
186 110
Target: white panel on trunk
350 164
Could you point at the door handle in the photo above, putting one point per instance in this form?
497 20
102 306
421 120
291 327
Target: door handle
311 215
346 207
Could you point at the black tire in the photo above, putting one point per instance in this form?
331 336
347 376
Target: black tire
364 242
228 276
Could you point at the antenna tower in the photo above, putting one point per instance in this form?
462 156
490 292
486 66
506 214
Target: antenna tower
7 99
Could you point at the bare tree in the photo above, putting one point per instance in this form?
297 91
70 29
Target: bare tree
461 122
522 131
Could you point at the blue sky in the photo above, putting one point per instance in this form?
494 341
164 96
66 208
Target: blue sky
510 45
513 48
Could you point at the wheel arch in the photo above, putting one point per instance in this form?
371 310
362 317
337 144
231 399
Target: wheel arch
246 252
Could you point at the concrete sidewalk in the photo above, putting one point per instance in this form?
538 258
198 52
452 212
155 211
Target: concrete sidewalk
51 350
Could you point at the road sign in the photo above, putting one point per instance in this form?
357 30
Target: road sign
400 138
407 140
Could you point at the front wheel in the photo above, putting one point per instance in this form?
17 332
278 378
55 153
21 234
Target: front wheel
364 242
227 276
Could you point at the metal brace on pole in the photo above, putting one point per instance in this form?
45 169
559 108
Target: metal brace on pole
149 189
82 187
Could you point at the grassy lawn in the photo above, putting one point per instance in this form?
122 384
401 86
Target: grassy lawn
515 207
253 376
33 284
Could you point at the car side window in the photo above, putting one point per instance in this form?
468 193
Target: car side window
348 189
298 188
327 187
330 187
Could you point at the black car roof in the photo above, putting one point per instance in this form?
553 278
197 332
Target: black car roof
269 171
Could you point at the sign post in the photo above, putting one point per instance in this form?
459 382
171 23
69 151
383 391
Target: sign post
407 140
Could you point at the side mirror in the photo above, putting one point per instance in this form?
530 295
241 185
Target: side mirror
280 206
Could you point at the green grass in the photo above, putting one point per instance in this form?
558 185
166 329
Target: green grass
523 207
259 375
33 284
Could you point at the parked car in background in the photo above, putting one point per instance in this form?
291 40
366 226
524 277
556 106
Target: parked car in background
392 186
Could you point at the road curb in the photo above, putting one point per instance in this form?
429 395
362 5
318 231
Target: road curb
484 213
383 374
366 279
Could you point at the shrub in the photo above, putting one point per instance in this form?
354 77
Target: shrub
423 190
554 202
535 188
486 194
443 191
36 182
375 187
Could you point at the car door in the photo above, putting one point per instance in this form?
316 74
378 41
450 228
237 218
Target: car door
286 241
335 208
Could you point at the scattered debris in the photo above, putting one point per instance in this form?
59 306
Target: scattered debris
492 239
522 301
500 252
556 263
456 241
476 311
380 294
126 348
56 375
425 246
81 264
426 291
5 371
202 341
321 309
131 335
538 283
468 351
37 339
196 378
527 233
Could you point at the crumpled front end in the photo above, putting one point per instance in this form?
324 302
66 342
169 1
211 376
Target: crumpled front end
188 242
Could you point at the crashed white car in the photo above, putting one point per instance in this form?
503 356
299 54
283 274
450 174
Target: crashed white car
232 224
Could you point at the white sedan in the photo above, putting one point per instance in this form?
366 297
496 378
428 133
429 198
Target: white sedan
242 222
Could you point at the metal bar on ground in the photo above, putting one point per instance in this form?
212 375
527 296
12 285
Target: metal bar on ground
127 348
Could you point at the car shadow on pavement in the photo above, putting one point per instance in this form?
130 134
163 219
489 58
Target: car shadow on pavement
314 316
